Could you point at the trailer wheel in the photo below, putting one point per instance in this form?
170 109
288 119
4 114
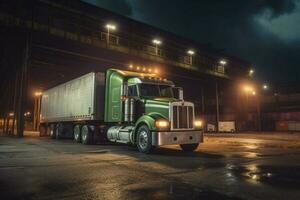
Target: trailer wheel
58 131
144 140
52 131
189 147
77 134
86 135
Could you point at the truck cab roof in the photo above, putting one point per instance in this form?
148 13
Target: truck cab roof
143 77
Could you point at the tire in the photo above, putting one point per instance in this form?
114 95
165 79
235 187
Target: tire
144 140
189 147
52 130
77 133
86 134
58 131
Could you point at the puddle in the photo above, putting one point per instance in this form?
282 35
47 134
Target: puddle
96 152
179 153
177 191
57 186
278 176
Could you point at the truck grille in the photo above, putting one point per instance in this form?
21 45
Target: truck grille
183 117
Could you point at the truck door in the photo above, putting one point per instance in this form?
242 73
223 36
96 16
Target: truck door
113 103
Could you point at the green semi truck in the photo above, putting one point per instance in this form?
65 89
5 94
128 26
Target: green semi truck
121 106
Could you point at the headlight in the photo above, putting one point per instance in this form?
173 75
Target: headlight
198 123
162 124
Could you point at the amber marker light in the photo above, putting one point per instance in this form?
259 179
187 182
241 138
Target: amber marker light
162 124
37 94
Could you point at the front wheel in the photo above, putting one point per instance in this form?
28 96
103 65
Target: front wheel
144 140
189 147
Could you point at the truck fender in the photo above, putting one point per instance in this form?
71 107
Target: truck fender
148 120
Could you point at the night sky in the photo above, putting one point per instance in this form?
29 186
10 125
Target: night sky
263 32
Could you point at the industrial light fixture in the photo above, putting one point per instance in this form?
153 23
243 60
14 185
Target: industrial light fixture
27 114
38 93
248 88
265 86
190 52
251 72
111 26
223 62
156 41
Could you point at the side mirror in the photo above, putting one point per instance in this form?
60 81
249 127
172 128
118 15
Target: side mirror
178 93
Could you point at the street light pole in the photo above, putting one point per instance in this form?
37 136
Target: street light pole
109 27
191 53
217 107
202 100
258 112
37 110
107 37
156 42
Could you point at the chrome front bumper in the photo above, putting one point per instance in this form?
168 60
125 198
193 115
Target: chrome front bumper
177 137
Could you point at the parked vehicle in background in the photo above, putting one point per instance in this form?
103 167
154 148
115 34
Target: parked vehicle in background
227 126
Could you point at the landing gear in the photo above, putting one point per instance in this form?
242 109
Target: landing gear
189 147
144 140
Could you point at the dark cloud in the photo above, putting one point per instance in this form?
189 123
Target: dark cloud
118 6
235 25
279 7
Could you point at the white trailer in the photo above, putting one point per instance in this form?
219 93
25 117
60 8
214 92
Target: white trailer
227 126
74 100
81 100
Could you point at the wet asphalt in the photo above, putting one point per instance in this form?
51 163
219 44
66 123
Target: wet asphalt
244 166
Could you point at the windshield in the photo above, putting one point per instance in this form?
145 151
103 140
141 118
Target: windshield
151 90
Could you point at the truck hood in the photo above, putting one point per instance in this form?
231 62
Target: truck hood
159 106
161 99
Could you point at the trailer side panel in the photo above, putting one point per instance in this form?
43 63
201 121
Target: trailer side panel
72 101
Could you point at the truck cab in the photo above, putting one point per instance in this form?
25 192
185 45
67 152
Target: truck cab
149 111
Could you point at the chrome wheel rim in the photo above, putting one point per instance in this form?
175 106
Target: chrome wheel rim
76 133
143 139
84 133
76 136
